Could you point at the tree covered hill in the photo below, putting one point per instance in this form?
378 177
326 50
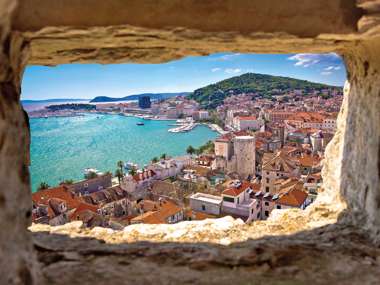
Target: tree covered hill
264 85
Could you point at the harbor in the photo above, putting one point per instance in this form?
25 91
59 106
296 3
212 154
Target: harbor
184 125
112 138
183 128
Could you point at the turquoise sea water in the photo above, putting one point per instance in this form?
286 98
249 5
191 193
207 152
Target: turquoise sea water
62 148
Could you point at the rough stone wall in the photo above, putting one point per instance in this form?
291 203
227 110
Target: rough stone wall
333 254
245 16
360 159
67 31
17 260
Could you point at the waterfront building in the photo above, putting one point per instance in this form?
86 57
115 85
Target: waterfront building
91 185
203 115
168 167
137 184
204 160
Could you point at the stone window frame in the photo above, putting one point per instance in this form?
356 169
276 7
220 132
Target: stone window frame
31 34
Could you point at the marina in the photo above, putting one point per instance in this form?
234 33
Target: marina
184 125
62 147
183 128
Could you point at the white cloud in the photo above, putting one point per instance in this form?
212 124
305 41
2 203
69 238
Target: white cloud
229 56
332 67
326 73
215 69
232 70
309 59
225 57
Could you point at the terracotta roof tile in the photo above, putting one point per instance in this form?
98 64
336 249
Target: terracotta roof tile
233 191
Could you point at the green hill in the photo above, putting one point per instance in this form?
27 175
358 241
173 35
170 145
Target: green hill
264 85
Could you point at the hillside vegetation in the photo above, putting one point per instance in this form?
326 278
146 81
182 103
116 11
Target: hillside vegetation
263 85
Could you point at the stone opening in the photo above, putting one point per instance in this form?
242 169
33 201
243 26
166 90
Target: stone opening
338 253
54 74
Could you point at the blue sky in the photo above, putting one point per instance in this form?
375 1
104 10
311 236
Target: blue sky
187 74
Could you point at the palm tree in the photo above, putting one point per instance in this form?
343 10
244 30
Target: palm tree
119 174
190 150
155 159
67 181
163 156
90 175
43 186
120 164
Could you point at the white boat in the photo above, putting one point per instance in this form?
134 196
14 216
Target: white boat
92 170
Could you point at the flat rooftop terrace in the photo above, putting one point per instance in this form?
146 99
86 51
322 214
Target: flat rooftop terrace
207 198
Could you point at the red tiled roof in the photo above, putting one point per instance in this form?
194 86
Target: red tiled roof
247 118
307 117
264 134
198 216
292 193
166 209
294 198
140 176
229 136
60 192
279 161
82 207
233 191
148 205
309 161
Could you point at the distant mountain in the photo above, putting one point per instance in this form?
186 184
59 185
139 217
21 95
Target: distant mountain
153 96
265 85
52 101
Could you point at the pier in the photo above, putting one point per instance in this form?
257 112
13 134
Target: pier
183 128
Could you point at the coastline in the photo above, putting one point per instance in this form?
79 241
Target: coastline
62 148
69 114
